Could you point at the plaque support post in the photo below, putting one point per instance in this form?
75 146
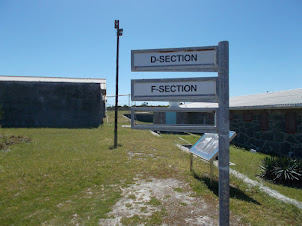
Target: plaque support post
211 172
191 162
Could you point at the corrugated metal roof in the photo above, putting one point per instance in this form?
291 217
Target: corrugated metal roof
53 79
270 100
281 99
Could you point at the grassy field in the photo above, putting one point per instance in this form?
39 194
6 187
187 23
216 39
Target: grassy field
248 164
69 176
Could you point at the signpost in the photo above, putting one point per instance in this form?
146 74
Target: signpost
198 59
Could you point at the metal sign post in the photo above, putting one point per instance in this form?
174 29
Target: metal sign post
223 133
198 59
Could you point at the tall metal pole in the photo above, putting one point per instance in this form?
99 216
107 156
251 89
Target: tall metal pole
119 32
223 132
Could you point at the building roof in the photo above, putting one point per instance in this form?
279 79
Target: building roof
270 100
102 82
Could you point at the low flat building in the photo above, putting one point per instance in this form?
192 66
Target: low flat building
268 122
52 102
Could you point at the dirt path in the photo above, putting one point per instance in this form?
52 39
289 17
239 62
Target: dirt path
162 201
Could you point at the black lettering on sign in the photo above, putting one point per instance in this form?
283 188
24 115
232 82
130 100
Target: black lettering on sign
194 88
187 58
167 89
174 58
153 88
153 59
187 88
167 58
180 88
161 89
173 89
194 57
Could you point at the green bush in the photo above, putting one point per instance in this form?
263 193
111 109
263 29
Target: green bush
285 171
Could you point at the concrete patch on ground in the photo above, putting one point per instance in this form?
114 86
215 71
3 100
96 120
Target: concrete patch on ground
154 133
139 155
170 197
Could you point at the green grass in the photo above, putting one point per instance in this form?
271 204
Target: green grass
249 164
190 138
69 176
178 190
154 202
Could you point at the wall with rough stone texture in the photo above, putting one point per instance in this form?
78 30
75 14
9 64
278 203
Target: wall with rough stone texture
269 131
51 104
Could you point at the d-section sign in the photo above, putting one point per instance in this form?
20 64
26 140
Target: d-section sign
176 59
178 89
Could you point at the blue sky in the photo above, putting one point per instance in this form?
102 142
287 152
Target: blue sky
71 38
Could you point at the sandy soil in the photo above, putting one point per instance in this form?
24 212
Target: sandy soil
181 205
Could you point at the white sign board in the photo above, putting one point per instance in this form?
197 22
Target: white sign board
179 89
179 59
207 146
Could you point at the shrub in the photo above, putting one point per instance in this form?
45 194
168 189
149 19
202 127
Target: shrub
267 168
285 171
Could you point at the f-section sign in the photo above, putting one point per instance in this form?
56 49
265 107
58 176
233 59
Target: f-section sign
184 89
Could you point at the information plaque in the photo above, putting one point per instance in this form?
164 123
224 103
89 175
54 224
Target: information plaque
207 146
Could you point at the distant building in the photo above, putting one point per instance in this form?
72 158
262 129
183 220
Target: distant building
269 122
52 102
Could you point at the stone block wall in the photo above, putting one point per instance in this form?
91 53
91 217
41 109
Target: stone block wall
51 104
277 132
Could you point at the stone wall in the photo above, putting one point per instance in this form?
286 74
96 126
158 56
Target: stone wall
51 104
277 132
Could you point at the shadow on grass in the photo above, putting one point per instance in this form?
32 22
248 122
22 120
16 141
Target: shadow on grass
234 192
291 184
112 147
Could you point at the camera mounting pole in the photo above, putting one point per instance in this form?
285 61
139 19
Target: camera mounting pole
119 32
